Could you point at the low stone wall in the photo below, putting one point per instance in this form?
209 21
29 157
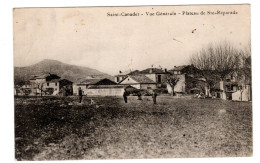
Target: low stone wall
105 92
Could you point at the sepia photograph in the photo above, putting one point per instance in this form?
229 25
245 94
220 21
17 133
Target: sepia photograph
132 82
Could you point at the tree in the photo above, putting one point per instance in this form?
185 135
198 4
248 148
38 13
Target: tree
172 81
217 61
245 66
40 87
220 58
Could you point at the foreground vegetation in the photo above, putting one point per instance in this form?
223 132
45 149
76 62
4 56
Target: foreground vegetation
59 128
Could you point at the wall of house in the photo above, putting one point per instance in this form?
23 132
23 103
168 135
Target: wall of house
76 87
153 77
242 95
179 87
40 80
105 92
148 86
55 86
129 81
164 78
137 85
246 95
119 78
236 96
176 72
221 85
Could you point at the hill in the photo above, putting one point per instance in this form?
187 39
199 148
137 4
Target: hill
71 72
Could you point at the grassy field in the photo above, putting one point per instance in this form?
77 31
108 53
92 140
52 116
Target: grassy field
51 128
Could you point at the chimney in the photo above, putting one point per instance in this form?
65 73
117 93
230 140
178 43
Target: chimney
165 70
120 71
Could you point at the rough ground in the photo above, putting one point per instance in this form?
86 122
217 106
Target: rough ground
58 128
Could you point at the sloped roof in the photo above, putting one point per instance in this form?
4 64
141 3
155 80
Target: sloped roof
142 79
123 73
178 68
187 69
146 71
53 80
135 72
152 71
58 80
97 81
46 76
108 86
42 76
129 72
33 78
90 81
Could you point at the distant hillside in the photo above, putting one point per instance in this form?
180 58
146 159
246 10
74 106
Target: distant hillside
67 71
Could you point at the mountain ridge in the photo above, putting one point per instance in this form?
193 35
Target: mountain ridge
68 71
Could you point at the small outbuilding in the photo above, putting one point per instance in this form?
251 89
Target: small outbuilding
87 83
108 90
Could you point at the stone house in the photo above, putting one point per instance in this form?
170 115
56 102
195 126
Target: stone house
155 74
139 82
50 84
243 94
85 84
58 87
108 90
122 75
235 87
180 87
190 80
43 78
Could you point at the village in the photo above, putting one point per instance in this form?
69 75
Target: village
180 81
57 118
89 84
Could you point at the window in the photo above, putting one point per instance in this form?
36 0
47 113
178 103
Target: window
149 87
117 79
47 84
56 84
194 84
159 79
229 88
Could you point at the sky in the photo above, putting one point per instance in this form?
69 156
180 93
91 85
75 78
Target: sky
88 37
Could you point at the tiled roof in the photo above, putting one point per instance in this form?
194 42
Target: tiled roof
124 73
146 71
34 78
103 81
90 81
53 80
57 80
108 86
153 71
45 76
142 79
178 68
42 76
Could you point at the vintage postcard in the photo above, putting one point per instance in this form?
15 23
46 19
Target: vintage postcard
132 82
